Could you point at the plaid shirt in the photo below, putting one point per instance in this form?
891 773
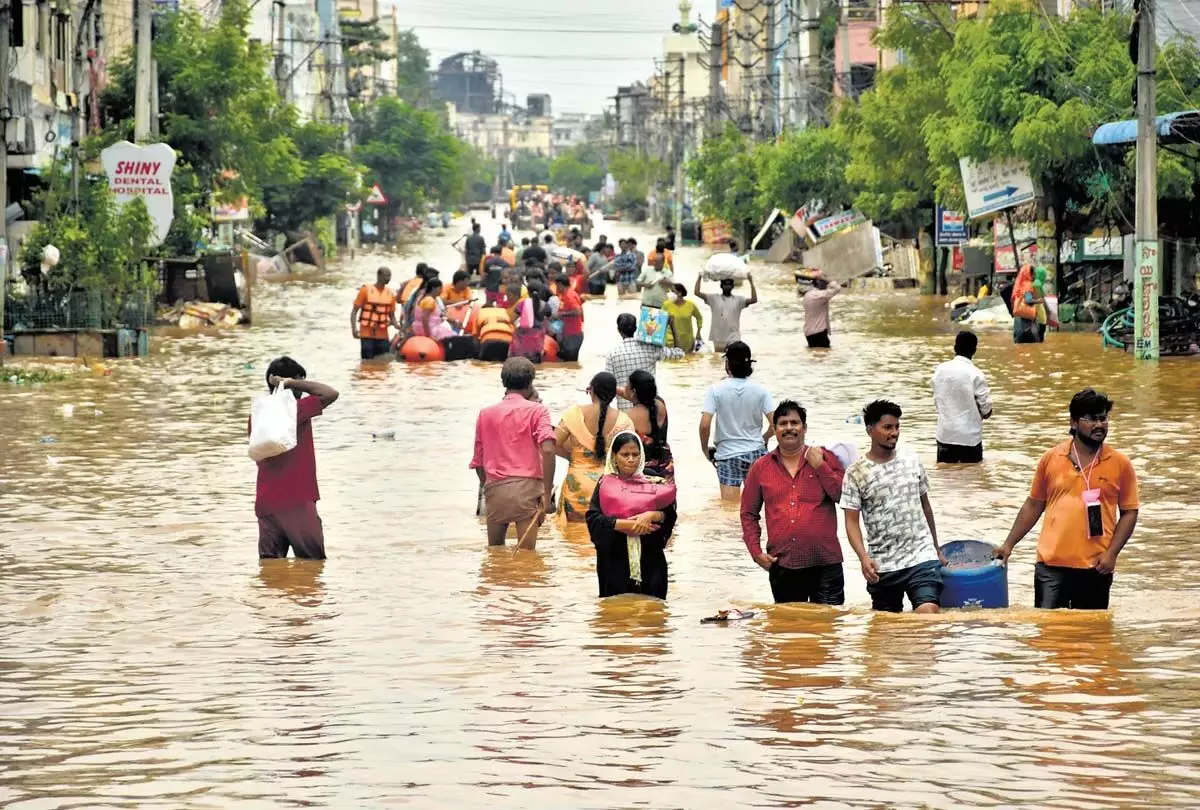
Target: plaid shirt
629 357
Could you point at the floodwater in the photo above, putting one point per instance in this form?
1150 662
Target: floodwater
150 660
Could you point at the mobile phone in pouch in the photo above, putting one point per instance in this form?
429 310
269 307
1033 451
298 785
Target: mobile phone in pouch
1091 500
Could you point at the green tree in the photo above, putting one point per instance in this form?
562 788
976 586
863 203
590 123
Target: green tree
410 154
579 170
328 181
102 249
413 82
529 168
635 175
803 168
725 172
479 173
220 109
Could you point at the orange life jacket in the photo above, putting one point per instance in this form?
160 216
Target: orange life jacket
377 312
493 323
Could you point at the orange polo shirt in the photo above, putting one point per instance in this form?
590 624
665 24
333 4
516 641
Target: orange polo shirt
450 295
1064 539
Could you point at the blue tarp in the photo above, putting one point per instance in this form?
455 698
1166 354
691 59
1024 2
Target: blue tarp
1170 129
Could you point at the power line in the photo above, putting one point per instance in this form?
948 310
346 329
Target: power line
494 29
565 57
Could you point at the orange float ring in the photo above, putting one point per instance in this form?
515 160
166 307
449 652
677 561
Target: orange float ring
550 350
419 349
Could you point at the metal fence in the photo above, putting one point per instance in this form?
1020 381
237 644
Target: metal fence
77 310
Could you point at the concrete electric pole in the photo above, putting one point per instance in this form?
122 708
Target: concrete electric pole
1147 270
142 79
5 22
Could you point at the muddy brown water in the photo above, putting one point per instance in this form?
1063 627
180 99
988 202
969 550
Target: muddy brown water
149 660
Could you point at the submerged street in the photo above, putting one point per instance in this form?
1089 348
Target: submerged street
150 660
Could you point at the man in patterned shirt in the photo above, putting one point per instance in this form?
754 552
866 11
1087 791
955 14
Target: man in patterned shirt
630 356
890 494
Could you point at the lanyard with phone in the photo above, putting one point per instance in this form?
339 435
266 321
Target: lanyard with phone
1091 497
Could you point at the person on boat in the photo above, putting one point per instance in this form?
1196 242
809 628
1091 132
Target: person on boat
528 315
683 314
459 291
649 417
429 317
409 308
494 329
514 456
630 520
413 284
570 313
582 438
373 312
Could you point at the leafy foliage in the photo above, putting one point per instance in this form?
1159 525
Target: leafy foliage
529 168
579 170
327 181
726 173
410 154
635 175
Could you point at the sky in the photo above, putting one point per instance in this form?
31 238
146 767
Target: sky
578 51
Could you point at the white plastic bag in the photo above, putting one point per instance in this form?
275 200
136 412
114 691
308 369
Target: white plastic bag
725 265
273 424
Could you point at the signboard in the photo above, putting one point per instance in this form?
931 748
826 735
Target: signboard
143 171
1035 238
1093 249
950 228
376 197
1145 300
836 223
995 185
232 212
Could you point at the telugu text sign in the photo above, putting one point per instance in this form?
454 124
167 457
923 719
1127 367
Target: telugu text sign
1145 298
143 171
994 185
951 228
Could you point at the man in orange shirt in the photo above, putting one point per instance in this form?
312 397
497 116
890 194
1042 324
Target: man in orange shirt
1079 485
374 310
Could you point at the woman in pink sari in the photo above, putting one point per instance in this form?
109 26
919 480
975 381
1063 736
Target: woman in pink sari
630 521
429 315
530 338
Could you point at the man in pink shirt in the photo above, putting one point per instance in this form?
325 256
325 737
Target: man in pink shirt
816 310
514 457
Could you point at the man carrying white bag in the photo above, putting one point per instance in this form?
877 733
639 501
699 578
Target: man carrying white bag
281 442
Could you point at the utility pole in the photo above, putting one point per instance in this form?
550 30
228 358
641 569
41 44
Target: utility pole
141 96
5 22
847 84
772 67
1147 271
681 147
715 57
281 73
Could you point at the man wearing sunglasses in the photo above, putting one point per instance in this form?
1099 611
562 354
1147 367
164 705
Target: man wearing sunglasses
1079 485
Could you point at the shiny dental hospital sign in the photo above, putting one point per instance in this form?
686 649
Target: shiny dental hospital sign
143 171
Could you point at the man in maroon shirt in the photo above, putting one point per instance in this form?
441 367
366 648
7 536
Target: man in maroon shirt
286 498
800 487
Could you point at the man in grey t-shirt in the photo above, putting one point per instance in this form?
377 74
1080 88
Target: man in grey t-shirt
726 322
890 494
739 406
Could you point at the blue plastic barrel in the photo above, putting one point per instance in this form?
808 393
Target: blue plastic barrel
973 579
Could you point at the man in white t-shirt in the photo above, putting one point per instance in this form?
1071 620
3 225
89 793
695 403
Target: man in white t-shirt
890 494
740 407
725 326
963 401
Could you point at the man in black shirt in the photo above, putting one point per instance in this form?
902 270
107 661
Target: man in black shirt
671 238
475 249
535 254
494 268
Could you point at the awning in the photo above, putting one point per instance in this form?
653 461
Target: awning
1176 127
